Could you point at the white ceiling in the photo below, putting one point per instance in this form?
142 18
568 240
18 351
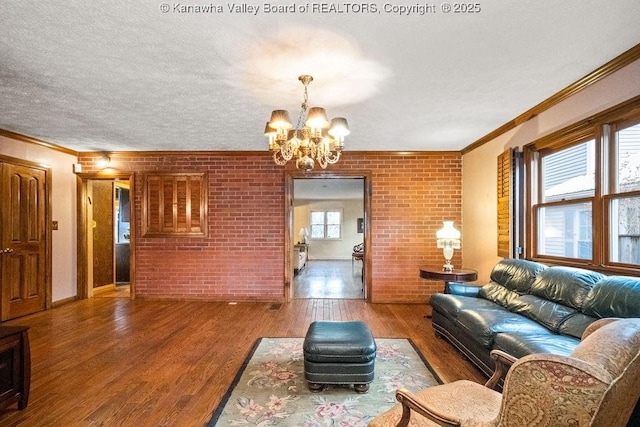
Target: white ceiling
328 189
113 75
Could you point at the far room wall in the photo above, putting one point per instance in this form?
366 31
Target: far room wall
330 249
480 165
243 258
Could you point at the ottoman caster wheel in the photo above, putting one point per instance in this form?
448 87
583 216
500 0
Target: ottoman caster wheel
315 387
361 388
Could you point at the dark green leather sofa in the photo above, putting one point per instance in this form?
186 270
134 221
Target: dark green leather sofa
528 308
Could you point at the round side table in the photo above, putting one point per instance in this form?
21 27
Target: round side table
435 273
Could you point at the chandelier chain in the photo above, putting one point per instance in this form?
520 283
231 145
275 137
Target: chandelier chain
304 107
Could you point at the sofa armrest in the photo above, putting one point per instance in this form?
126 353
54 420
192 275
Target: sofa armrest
461 289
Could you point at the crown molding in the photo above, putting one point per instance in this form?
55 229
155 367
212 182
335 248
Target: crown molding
36 141
600 73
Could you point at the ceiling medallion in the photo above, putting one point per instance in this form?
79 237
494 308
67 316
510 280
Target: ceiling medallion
317 141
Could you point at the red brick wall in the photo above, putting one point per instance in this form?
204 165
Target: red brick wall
243 256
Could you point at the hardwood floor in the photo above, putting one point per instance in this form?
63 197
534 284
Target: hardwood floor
113 361
329 279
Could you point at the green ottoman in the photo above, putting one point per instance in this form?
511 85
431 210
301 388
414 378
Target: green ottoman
339 353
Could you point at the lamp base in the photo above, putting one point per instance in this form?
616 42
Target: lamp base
448 267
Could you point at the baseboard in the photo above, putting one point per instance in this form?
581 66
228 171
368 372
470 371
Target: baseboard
63 301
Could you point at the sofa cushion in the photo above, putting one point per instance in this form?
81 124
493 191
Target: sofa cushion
565 285
548 313
449 305
520 345
498 294
575 325
516 274
614 296
483 324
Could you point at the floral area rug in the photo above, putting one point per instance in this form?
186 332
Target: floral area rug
270 389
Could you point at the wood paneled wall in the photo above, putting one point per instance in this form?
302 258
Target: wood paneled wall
242 258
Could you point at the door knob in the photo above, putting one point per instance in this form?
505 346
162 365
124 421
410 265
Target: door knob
6 251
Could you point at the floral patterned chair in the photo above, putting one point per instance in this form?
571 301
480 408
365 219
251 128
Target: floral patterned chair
597 385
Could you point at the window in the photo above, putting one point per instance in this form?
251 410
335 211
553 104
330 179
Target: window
567 185
584 189
326 224
175 204
624 202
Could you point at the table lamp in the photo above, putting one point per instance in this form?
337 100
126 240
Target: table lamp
303 235
448 239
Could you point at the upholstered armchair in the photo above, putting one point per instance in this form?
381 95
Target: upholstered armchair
597 385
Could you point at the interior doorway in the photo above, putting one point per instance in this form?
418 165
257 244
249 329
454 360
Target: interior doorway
105 229
327 216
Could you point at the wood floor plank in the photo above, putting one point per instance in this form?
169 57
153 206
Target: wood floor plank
114 361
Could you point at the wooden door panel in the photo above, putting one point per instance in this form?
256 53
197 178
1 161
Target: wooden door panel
23 240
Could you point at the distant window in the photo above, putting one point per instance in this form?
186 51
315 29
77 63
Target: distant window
326 224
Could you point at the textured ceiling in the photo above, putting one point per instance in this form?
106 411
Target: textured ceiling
130 75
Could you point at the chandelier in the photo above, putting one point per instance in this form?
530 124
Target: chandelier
317 141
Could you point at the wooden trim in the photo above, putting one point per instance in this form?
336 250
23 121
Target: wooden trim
31 140
81 238
586 127
290 175
64 301
595 76
132 154
82 285
505 166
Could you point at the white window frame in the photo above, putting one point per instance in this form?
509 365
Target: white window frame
325 224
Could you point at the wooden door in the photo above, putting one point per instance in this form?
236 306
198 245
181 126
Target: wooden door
23 240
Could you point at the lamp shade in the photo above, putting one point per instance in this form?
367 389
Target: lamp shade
268 130
339 127
448 236
317 118
280 120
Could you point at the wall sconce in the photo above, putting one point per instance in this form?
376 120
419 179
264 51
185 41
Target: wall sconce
448 239
103 162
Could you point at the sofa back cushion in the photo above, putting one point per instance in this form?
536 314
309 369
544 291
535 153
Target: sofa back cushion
510 278
548 313
516 274
556 296
614 296
565 285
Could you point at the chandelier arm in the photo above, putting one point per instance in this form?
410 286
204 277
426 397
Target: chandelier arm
288 149
278 159
333 157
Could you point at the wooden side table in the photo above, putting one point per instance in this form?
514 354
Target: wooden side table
434 273
15 366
